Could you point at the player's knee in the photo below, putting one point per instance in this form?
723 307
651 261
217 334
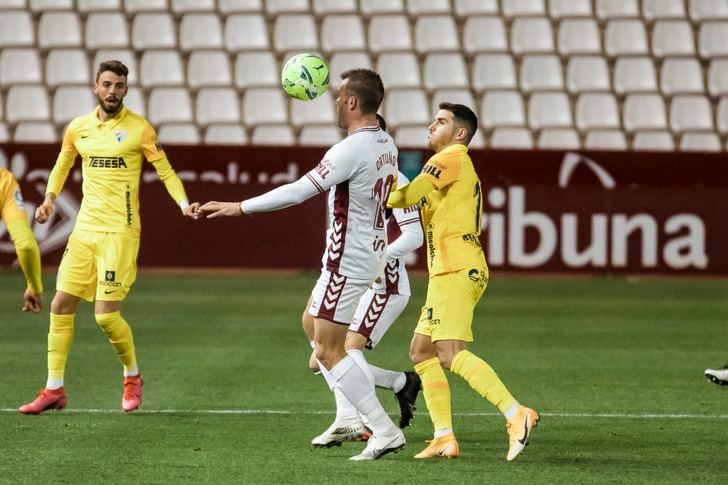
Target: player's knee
63 305
107 321
355 341
313 363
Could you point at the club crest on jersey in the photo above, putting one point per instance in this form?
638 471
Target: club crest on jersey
18 198
120 135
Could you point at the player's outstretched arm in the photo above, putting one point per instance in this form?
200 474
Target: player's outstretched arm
221 209
412 193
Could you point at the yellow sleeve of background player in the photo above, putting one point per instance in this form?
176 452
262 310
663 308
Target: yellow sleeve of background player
443 168
153 153
64 162
27 250
410 194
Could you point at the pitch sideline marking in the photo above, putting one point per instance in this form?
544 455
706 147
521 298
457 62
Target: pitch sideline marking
312 413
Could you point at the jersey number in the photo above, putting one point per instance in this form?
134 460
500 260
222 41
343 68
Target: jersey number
381 191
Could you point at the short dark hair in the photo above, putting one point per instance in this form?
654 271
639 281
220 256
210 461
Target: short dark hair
463 117
368 88
117 67
381 122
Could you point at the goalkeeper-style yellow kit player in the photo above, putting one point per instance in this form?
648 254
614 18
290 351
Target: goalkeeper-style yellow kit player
450 194
99 262
16 221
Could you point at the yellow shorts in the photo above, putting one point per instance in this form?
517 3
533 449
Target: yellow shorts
98 264
451 300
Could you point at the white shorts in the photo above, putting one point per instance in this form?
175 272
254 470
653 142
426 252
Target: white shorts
336 297
376 313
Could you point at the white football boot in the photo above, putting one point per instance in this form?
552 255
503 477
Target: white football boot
380 445
339 432
718 376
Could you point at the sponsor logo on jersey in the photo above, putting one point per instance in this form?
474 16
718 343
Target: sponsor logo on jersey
18 198
127 203
107 162
432 170
110 280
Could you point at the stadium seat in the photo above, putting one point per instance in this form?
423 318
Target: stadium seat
318 111
169 105
406 107
541 72
493 71
514 138
209 68
40 6
35 132
246 31
217 105
484 34
399 70
478 140
372 7
185 6
294 32
644 112
153 31
466 8
558 138
327 7
579 36
126 56
721 115
414 136
273 135
105 30
87 6
700 141
718 77
27 103
133 7
653 141
342 32
436 33
4 133
389 32
420 7
520 8
690 112
277 7
343 61
634 74
72 101
625 37
672 38
265 73
549 109
605 140
200 31
67 66
713 39
587 73
227 7
569 8
609 9
502 108
59 29
16 29
663 9
179 134
701 10
264 105
681 75
459 96
161 68
19 65
135 101
445 70
531 35
596 110
12 4
320 135
225 134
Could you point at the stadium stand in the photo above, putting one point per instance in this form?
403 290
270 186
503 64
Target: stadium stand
599 74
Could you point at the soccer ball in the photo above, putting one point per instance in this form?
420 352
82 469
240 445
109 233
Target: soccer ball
305 76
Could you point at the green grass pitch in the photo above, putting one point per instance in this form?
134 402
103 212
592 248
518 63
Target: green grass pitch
614 365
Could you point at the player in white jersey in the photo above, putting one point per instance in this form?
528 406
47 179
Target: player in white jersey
359 171
378 309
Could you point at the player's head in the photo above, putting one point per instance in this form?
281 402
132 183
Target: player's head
453 124
381 122
110 86
360 94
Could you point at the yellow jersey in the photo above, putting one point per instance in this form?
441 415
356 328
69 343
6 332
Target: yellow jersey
451 214
112 153
11 201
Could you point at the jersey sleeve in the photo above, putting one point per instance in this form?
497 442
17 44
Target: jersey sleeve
336 167
442 169
171 181
410 237
151 149
64 162
11 205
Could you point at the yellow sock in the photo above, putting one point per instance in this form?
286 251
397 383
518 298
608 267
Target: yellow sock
436 391
60 337
483 379
120 337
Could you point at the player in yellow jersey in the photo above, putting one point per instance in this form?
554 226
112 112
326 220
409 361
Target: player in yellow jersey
16 221
451 197
99 262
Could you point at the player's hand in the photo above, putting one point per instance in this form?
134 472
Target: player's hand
222 209
44 211
193 211
33 301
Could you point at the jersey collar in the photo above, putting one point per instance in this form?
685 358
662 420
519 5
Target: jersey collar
363 128
112 122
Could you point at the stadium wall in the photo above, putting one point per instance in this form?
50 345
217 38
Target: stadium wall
545 211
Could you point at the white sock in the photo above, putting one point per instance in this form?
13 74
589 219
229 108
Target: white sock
54 383
358 357
345 410
511 411
131 373
388 379
352 381
442 432
327 375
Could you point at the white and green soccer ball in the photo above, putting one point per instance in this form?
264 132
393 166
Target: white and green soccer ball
305 76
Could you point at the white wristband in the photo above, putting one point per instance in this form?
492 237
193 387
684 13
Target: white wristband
183 204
